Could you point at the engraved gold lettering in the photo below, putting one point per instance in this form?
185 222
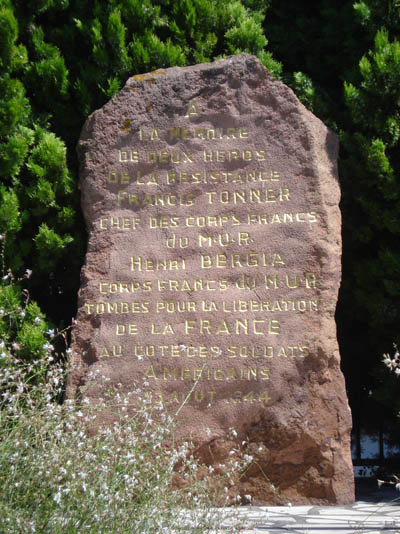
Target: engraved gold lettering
151 265
246 282
233 154
164 330
204 176
311 280
293 281
114 352
204 221
121 308
150 373
177 242
192 109
164 156
158 199
249 259
247 352
282 218
254 196
119 223
129 329
199 284
153 136
246 327
124 287
163 221
176 306
126 156
208 306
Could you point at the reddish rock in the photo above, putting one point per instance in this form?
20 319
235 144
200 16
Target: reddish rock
211 196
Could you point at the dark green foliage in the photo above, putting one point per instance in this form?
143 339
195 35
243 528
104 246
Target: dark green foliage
8 35
47 75
62 59
375 14
14 106
378 91
59 61
125 37
36 184
342 59
10 220
22 325
371 174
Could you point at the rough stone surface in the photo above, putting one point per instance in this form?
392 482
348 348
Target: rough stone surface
211 195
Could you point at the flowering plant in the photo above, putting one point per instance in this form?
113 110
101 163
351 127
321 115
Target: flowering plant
59 475
394 362
62 471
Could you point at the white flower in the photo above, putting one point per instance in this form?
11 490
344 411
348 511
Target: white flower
28 273
37 320
1 312
22 314
57 497
397 371
49 332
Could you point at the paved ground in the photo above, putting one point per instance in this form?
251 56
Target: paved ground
375 511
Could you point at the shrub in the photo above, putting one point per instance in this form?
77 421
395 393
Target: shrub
61 472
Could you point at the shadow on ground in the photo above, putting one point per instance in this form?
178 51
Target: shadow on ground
367 490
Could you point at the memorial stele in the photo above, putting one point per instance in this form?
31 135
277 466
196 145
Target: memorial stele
210 195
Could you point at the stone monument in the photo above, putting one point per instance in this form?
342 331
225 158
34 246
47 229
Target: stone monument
210 195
